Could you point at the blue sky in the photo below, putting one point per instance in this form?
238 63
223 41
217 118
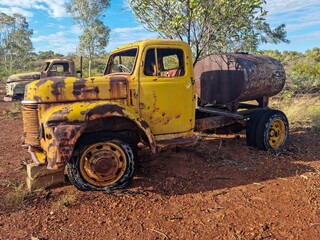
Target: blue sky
53 28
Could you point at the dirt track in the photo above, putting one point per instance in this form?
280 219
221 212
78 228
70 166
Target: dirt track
218 189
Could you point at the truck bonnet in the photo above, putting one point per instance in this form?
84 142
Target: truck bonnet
69 89
23 77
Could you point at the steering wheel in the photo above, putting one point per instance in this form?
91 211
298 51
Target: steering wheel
123 68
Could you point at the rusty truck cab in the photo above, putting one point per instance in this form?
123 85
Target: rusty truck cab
58 67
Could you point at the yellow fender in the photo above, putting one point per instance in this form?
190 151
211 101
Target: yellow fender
63 126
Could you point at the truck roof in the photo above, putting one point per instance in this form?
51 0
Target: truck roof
147 42
59 60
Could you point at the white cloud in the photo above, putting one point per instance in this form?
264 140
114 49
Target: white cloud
276 6
66 41
302 20
21 11
122 36
307 37
295 14
55 8
63 42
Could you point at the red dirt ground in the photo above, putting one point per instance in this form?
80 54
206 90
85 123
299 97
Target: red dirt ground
218 189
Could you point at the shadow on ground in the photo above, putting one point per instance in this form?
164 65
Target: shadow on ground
218 163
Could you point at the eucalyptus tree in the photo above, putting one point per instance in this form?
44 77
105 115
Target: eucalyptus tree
209 26
15 41
88 15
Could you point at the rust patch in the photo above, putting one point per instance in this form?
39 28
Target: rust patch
213 122
93 90
58 117
65 133
178 116
78 86
65 138
118 87
55 121
85 112
101 110
229 78
118 79
144 124
37 98
57 85
42 81
170 143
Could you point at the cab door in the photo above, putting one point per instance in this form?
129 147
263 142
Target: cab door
167 94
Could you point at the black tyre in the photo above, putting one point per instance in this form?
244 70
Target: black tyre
102 164
252 126
272 130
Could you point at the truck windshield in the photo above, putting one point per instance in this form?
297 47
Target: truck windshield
122 62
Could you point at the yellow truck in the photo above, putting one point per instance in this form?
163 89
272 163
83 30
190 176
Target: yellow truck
150 94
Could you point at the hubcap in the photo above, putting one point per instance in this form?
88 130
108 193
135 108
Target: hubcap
277 133
103 164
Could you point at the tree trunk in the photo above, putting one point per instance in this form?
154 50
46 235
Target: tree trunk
11 63
90 60
5 62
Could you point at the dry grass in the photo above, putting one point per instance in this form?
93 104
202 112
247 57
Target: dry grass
302 111
14 111
17 196
67 200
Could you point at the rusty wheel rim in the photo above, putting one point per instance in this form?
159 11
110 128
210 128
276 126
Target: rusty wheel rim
277 133
103 164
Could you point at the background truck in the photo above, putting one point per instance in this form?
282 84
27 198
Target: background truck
150 95
15 84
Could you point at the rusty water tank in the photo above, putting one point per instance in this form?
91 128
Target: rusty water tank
228 78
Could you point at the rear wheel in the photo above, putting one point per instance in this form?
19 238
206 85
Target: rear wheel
272 130
102 165
252 126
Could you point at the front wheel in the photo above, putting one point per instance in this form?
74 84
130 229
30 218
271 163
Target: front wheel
102 165
272 130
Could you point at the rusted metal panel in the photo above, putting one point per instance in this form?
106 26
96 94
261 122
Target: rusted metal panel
63 128
228 78
213 122
69 89
63 142
175 142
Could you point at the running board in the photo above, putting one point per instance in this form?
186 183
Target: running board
176 142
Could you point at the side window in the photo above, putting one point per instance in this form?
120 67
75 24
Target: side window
170 62
150 63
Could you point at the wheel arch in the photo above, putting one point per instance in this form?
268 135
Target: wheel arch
117 118
68 125
122 125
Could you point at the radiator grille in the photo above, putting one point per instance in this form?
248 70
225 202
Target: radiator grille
31 124
8 88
